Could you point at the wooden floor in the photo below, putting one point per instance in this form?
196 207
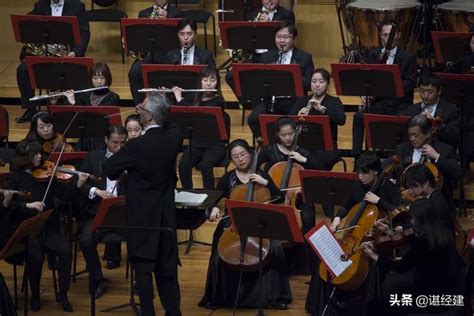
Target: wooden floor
192 274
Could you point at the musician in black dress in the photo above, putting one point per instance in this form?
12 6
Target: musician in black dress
27 157
205 154
322 104
100 76
222 281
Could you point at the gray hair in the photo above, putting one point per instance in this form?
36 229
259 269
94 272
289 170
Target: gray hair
158 106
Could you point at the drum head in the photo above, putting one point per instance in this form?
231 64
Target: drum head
384 5
460 5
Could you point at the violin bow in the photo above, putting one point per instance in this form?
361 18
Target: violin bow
54 172
63 136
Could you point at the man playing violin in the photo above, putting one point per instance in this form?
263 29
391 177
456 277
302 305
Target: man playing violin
271 11
94 192
28 156
433 106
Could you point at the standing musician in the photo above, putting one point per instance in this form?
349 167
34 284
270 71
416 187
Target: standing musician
42 131
420 147
149 161
284 53
188 54
205 154
99 76
388 106
53 8
432 266
222 281
94 192
28 156
322 104
160 9
433 106
271 11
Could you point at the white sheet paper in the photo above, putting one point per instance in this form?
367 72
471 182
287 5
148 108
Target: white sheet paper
189 198
329 250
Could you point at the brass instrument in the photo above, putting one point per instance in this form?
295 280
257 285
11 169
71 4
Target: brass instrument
257 18
56 50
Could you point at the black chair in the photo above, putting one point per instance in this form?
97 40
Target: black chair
107 14
203 17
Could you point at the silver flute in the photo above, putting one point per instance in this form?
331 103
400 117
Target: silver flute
60 94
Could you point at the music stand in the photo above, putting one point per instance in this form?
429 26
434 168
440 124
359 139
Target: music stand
203 123
450 46
18 242
56 73
248 35
277 222
41 29
316 136
192 217
385 131
183 76
91 123
149 35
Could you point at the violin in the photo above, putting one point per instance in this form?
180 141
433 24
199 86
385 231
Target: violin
63 173
387 242
54 144
242 251
23 194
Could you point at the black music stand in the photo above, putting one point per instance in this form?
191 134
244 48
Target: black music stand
248 35
150 35
203 123
26 231
183 76
40 29
192 217
450 46
91 123
385 132
277 222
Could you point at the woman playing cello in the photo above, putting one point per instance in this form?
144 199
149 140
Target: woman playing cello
222 281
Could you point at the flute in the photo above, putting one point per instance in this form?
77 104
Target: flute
145 90
60 94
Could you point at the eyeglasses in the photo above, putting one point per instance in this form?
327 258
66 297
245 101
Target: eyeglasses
240 155
284 36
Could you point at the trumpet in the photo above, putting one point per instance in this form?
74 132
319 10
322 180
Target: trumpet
60 94
155 14
145 90
259 15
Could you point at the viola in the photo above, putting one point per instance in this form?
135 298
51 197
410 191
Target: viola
393 240
63 173
55 144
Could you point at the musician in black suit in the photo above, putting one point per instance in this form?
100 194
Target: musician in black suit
285 53
271 11
94 192
442 155
151 179
54 8
381 105
433 106
160 9
188 54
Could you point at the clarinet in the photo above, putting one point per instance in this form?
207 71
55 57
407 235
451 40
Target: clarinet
185 54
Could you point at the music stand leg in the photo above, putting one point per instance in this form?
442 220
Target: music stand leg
260 270
15 286
189 243
25 273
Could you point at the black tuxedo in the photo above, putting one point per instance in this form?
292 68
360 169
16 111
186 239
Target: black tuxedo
281 14
151 179
42 7
92 164
449 131
172 12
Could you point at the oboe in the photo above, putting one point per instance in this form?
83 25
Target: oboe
60 94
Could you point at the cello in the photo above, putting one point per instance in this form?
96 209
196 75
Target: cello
242 251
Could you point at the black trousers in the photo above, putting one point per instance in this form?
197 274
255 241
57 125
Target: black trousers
281 106
24 85
89 249
49 242
204 158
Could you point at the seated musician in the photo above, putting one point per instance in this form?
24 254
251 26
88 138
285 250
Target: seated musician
284 53
322 104
160 9
381 105
222 280
28 156
188 54
271 11
134 126
54 8
42 131
100 76
94 192
433 106
432 266
422 148
205 154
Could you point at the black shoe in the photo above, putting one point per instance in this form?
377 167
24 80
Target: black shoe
100 290
112 264
279 305
67 307
35 304
26 117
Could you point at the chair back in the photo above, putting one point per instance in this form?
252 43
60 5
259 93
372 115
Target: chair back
4 123
103 3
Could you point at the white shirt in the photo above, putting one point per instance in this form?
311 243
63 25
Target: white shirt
111 185
416 155
431 109
391 55
57 8
270 14
150 126
286 57
189 56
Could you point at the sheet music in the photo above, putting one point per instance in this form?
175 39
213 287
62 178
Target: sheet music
329 250
189 198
